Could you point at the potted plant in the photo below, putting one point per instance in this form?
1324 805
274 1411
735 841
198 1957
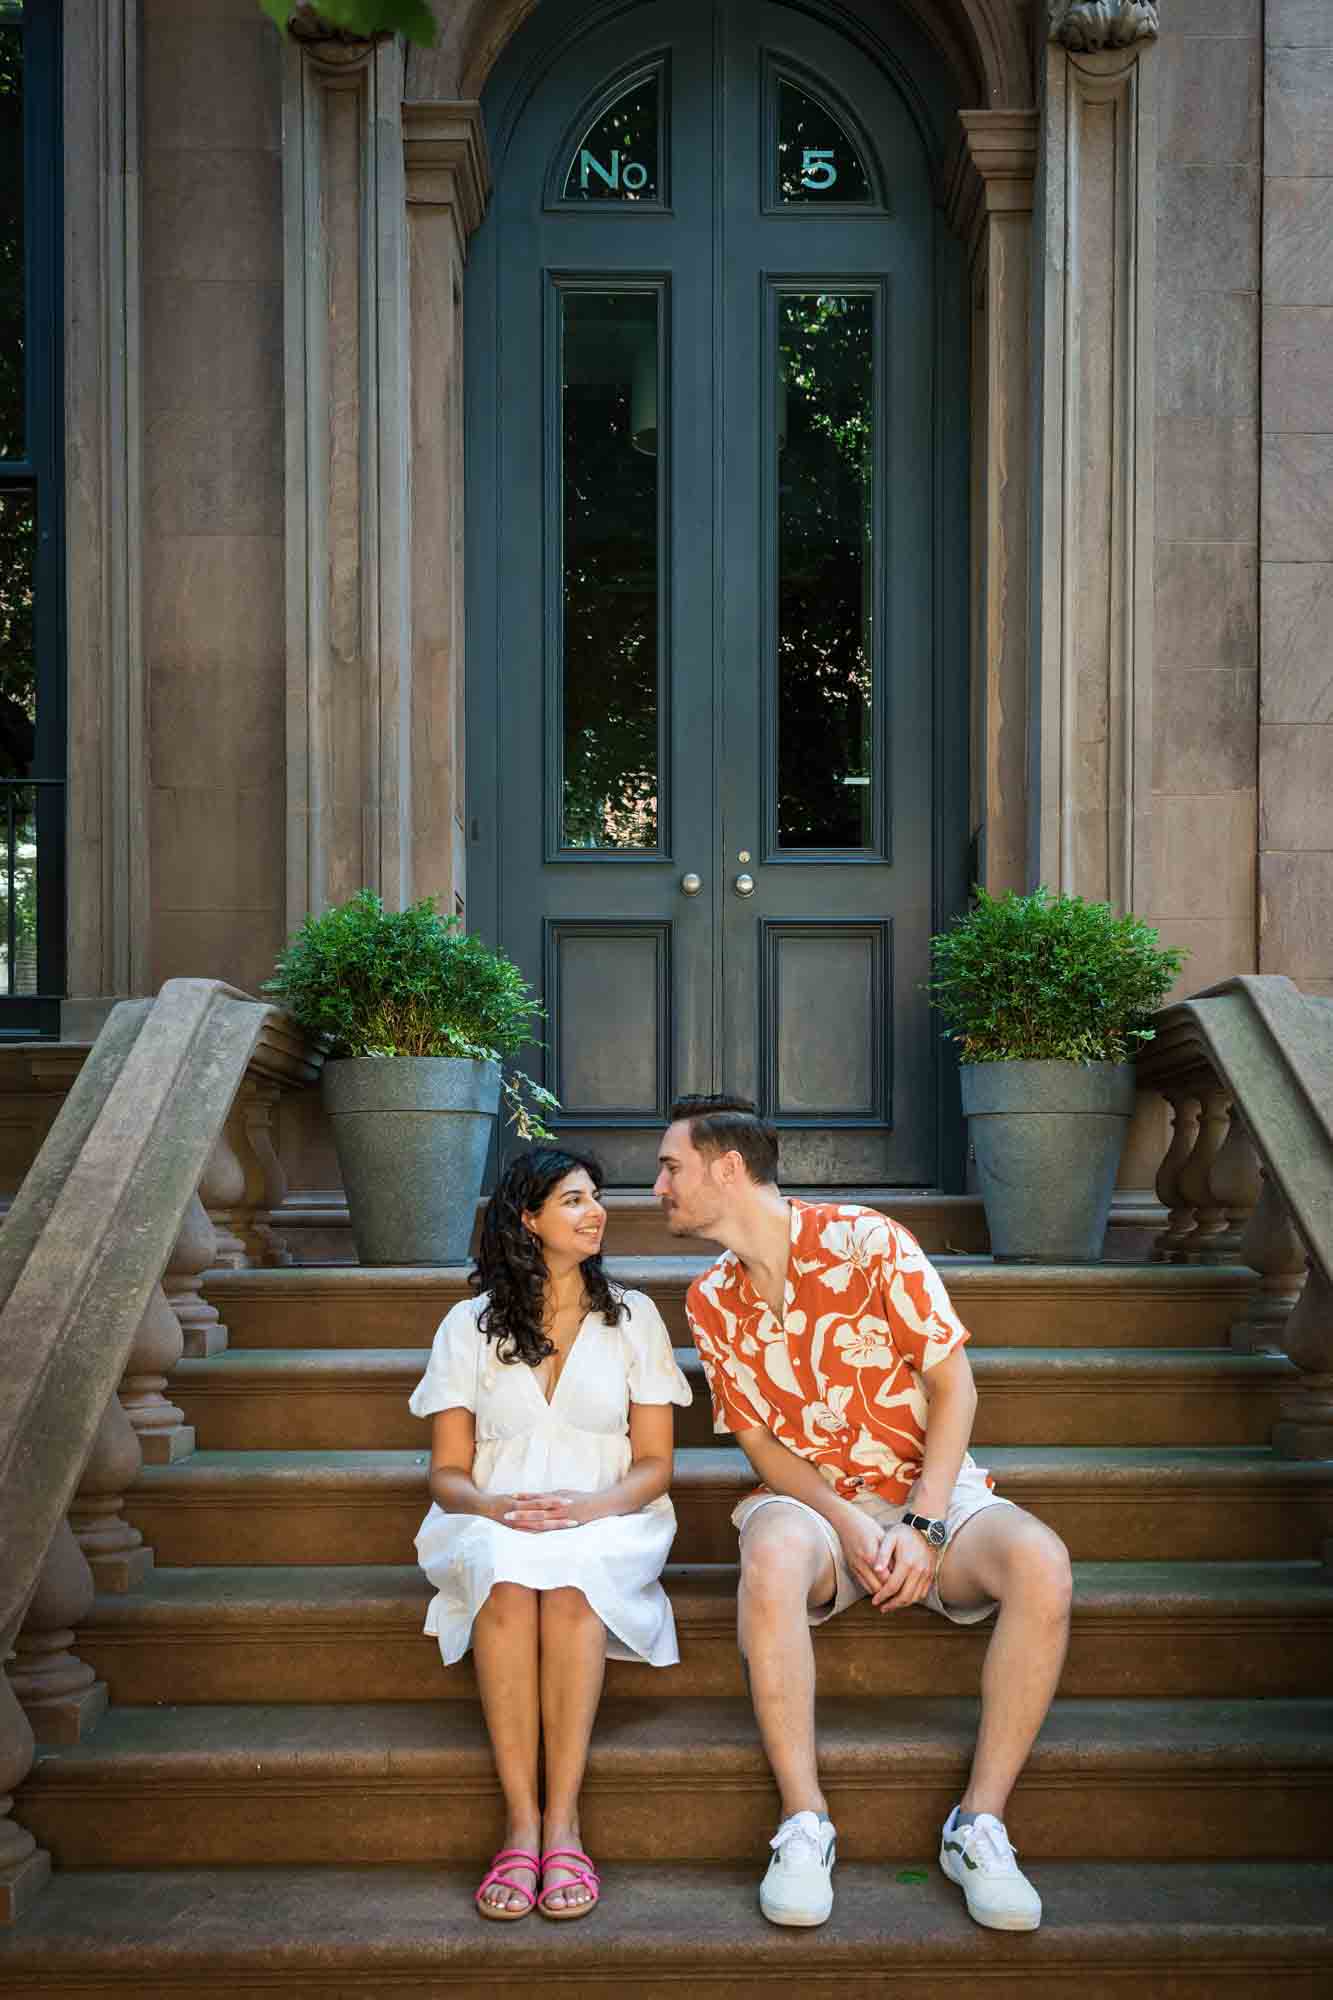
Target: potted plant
418 1016
1046 998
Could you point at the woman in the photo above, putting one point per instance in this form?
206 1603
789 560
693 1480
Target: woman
550 1462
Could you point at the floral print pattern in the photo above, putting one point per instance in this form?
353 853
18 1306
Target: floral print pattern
837 1379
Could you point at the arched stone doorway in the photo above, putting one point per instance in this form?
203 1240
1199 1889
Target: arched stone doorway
718 722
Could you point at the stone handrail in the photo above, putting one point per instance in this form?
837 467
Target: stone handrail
1247 1068
82 1251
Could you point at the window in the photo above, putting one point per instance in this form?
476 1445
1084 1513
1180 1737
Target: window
32 694
619 153
816 162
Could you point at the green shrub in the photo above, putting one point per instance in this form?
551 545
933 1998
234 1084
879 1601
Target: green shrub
1045 978
377 982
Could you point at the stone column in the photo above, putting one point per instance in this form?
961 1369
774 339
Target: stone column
447 182
59 1693
163 1434
116 1553
195 1251
1092 627
989 204
24 1866
348 685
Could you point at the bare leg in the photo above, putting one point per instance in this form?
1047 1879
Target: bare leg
785 1568
573 1667
504 1646
1008 1555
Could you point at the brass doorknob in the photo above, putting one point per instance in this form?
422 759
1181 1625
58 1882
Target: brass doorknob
744 885
691 884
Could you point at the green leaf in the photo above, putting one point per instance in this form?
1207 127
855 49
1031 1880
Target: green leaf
412 18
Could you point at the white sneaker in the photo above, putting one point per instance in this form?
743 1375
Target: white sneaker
798 1888
980 1859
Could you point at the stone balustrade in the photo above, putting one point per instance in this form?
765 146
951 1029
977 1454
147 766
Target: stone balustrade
1247 1071
100 1260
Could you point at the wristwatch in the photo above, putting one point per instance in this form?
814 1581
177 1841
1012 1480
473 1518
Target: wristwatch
935 1532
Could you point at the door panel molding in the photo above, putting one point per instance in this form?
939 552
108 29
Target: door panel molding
588 988
802 1035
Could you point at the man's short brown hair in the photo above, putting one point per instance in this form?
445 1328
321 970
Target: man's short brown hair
731 1125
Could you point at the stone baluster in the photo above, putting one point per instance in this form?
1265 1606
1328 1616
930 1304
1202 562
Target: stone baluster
222 1191
202 1332
1210 1217
24 1866
1233 1186
1271 1247
254 1111
115 1551
1180 1215
59 1693
1305 1412
164 1436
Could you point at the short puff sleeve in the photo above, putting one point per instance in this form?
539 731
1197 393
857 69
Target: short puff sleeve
651 1370
450 1380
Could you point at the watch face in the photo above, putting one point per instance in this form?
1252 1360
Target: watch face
937 1534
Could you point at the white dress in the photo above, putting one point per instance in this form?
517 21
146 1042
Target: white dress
578 1441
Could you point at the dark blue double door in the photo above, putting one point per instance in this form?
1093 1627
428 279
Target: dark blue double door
707 767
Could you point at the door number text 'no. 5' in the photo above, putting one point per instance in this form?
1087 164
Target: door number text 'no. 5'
818 172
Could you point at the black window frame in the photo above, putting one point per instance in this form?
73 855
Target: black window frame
40 473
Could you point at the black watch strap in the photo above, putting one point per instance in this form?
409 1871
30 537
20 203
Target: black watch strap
936 1532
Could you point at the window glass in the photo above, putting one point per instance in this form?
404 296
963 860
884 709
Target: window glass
619 157
12 273
611 565
817 162
825 527
18 719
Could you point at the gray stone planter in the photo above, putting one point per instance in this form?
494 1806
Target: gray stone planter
1046 1137
412 1134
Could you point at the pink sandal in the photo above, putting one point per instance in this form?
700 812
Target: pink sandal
584 1876
501 1863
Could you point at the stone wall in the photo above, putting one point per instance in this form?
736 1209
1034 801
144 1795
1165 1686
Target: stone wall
1205 674
1296 511
213 487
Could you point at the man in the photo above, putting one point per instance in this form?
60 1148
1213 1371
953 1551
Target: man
833 1354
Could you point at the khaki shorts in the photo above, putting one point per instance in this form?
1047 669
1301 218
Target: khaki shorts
970 1496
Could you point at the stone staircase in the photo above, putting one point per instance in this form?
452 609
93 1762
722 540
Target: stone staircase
289 1793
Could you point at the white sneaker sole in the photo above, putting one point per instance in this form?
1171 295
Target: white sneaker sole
993 1920
798 1919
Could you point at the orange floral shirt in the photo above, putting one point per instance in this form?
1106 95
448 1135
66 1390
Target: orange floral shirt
838 1379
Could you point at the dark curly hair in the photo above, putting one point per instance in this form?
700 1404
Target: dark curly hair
510 1265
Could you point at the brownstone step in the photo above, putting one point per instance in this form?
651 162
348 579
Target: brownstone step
290 1399
1003 1305
1111 1505
354 1634
317 1229
1110 1931
678 1780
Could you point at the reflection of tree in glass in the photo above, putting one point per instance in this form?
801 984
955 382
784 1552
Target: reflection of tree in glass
629 128
610 583
825 522
11 243
18 707
806 129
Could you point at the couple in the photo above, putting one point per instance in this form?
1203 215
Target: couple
834 1357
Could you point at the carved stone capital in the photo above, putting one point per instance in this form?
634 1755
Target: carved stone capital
1090 25
993 168
444 152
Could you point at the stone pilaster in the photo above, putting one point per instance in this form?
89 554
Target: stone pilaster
348 688
1092 627
990 206
447 182
108 887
